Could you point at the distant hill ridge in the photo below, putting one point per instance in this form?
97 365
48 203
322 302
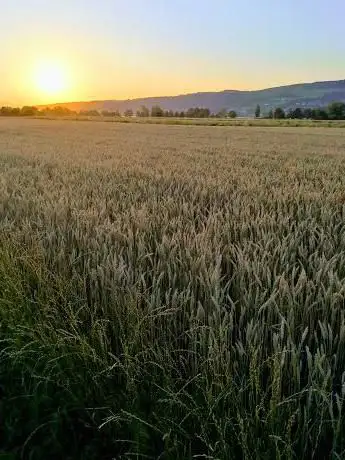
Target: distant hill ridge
313 95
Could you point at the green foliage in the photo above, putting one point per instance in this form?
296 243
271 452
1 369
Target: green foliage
319 114
143 112
257 111
307 113
336 111
222 113
157 111
169 114
198 112
296 114
279 113
107 113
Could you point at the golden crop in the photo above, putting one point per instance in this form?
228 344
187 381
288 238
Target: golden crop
173 291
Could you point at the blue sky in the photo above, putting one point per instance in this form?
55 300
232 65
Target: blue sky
133 48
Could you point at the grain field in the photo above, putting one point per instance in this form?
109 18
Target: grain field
171 292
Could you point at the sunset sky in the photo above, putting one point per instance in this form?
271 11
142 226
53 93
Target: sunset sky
71 50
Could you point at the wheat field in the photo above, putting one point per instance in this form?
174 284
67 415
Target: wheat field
171 292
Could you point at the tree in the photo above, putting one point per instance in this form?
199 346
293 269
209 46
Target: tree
295 113
232 114
257 111
128 113
59 111
157 111
107 113
28 111
9 112
270 114
279 113
307 113
143 111
198 112
85 113
319 114
222 114
336 111
205 113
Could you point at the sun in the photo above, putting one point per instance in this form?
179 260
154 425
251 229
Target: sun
50 78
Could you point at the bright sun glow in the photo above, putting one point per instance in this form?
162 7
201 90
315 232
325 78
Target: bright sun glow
50 78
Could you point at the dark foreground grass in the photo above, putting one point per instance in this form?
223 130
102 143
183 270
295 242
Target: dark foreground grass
167 294
125 378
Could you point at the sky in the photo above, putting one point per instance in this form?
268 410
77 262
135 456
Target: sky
78 50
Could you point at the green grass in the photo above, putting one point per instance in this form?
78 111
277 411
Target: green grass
171 292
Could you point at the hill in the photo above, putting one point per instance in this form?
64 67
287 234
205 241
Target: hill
317 94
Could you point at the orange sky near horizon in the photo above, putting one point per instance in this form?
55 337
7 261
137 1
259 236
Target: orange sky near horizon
116 78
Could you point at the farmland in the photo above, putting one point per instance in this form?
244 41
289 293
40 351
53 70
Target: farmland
171 292
246 122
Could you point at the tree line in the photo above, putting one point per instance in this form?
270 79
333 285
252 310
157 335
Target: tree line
334 111
155 111
193 112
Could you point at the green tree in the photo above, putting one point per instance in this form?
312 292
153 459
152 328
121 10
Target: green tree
128 113
279 113
232 114
107 113
198 112
307 113
295 113
190 113
143 111
319 114
270 114
336 111
157 111
222 114
257 111
205 113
